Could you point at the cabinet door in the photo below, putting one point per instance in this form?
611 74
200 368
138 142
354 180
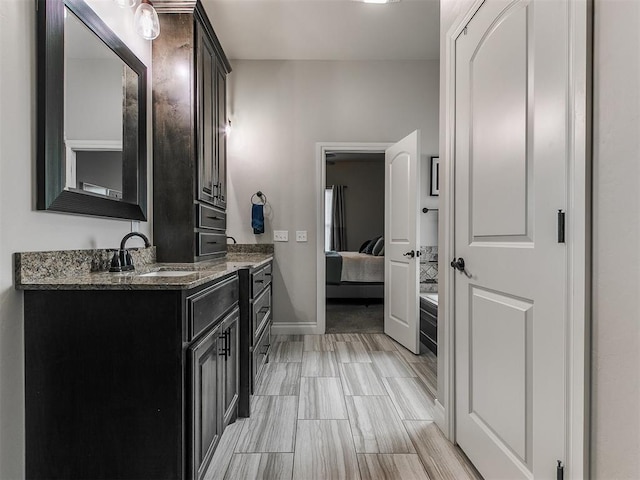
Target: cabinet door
205 362
206 118
221 117
231 359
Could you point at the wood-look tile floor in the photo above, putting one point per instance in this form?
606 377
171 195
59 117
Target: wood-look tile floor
341 406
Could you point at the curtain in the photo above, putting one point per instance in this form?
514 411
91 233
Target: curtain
339 222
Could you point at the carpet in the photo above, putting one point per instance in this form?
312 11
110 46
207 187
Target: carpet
345 316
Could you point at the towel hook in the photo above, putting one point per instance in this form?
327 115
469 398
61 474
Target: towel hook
261 196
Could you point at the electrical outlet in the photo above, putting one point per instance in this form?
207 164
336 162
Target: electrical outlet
301 236
281 235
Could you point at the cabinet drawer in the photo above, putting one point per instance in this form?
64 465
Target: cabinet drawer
261 355
260 279
210 243
261 311
207 306
207 217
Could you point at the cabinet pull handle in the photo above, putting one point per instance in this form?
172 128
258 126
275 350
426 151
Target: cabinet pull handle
258 281
214 218
267 274
263 310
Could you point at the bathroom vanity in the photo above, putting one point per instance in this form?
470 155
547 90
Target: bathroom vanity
131 375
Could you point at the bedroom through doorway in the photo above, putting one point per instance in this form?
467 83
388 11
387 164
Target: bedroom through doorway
354 242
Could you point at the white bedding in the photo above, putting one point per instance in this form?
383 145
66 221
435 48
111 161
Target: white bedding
360 267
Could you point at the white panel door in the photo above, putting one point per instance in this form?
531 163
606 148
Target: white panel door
510 181
401 262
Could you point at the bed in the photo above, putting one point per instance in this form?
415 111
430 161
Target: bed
354 275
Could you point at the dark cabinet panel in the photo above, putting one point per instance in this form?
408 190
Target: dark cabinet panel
189 147
231 358
205 388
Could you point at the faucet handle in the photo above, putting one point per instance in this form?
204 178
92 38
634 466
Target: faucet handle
116 264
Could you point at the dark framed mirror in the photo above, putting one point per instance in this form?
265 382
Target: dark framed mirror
92 121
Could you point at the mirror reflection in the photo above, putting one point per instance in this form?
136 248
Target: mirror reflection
100 113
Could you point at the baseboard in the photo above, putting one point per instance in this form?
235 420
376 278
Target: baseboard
294 328
438 415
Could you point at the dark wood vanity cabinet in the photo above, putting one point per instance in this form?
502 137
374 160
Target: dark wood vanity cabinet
190 145
124 384
429 324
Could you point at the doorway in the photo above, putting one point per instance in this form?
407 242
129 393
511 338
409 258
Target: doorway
354 242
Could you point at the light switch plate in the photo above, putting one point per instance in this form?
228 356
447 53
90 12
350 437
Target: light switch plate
281 235
301 236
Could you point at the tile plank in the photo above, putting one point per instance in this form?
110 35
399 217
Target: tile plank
321 398
390 364
391 466
318 343
319 364
376 426
352 352
271 427
224 451
427 373
325 451
410 398
260 466
284 352
377 342
442 459
360 379
280 379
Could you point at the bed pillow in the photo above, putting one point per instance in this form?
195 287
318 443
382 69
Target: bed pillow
381 253
377 248
364 246
372 243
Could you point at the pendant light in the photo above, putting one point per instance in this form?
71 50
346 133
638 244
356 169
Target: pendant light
146 21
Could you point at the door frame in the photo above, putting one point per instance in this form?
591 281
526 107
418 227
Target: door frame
578 324
322 148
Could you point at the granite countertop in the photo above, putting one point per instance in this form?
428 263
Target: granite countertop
37 271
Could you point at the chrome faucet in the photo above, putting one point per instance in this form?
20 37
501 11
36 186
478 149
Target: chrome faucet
122 261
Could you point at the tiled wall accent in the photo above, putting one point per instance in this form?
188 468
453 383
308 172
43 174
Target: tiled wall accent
429 264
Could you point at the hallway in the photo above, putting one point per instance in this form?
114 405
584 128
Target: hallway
341 406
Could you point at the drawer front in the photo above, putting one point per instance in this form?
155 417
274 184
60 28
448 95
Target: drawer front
261 311
207 306
207 217
260 279
260 355
430 344
429 306
429 325
211 243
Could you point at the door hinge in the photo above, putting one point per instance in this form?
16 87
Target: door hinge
560 471
561 226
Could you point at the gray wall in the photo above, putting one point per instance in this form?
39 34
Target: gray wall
364 198
279 110
615 369
21 227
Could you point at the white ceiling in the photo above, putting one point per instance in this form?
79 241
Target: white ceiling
326 29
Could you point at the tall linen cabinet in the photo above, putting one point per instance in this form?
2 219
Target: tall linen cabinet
189 135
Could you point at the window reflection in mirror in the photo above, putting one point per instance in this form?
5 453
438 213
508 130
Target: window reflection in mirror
101 117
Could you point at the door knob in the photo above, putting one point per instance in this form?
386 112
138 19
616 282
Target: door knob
458 264
410 254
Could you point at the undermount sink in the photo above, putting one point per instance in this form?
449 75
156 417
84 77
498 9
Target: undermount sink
168 273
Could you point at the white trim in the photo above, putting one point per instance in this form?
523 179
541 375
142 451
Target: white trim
446 303
578 227
71 146
321 176
438 413
293 328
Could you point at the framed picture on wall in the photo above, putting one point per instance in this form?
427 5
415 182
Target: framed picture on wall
434 191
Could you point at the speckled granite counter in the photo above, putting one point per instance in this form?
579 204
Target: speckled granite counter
87 270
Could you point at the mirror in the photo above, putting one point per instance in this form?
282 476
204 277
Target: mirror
91 116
